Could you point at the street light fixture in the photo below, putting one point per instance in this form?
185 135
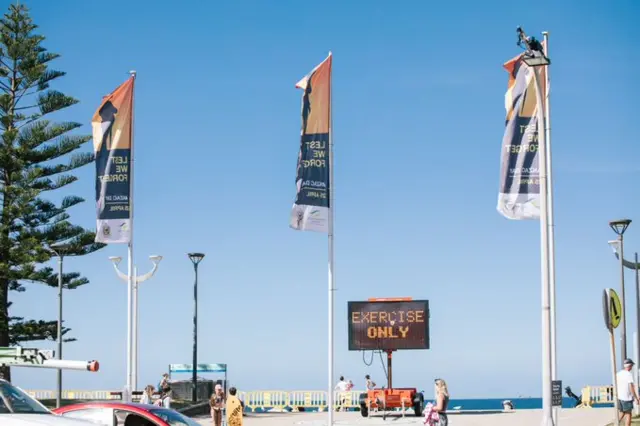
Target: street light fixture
535 59
133 325
195 258
60 250
534 53
619 227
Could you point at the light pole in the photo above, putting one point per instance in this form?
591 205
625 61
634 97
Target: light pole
535 58
195 258
635 266
60 250
132 318
619 227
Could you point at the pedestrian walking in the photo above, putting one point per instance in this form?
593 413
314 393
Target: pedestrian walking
626 391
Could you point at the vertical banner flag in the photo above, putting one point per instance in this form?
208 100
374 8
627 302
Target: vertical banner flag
310 211
519 196
112 139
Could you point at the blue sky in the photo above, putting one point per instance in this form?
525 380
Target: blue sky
418 122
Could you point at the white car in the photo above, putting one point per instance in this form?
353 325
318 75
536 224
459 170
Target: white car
17 408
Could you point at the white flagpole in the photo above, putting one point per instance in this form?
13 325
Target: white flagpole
134 332
547 409
130 269
331 276
550 224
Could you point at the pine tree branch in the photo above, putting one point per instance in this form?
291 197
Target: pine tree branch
36 156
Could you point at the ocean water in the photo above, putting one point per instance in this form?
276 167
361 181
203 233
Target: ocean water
496 404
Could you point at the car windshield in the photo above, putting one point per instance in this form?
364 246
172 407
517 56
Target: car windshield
14 400
173 417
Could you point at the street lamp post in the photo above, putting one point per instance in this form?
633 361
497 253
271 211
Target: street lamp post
132 318
636 267
619 227
195 258
535 58
60 250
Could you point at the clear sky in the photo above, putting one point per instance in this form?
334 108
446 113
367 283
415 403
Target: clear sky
418 122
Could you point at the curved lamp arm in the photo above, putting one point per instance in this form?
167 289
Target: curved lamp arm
122 276
140 278
625 262
156 261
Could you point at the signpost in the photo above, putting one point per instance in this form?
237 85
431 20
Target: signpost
556 393
612 311
388 325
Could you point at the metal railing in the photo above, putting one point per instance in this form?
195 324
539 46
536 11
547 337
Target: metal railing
297 400
260 400
596 395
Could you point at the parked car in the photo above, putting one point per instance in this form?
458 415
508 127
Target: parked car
124 414
17 408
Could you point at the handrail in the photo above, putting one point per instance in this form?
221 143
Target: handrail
258 400
297 400
596 395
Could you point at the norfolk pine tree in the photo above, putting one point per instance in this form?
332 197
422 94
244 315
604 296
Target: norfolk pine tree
36 157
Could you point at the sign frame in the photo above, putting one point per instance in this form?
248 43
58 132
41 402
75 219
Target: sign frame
390 301
605 309
202 368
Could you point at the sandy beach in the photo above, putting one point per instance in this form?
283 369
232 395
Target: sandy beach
568 417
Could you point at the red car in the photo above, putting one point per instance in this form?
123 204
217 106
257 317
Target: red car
122 414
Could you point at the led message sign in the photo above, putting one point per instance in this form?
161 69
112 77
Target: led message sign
388 325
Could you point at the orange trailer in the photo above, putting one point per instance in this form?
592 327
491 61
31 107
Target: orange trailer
389 398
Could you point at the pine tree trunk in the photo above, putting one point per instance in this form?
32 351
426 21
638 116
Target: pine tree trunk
5 372
5 244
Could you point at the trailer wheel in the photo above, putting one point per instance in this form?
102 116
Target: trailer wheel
418 404
364 410
362 399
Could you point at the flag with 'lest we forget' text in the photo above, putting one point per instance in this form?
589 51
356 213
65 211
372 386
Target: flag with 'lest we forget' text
310 211
112 143
519 196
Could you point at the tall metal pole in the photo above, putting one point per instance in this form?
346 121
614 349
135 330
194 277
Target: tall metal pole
194 384
59 371
130 284
551 222
134 337
330 234
636 408
547 411
637 323
623 331
129 384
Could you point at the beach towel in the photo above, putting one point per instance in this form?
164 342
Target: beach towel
431 416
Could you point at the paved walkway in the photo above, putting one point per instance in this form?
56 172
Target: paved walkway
568 417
